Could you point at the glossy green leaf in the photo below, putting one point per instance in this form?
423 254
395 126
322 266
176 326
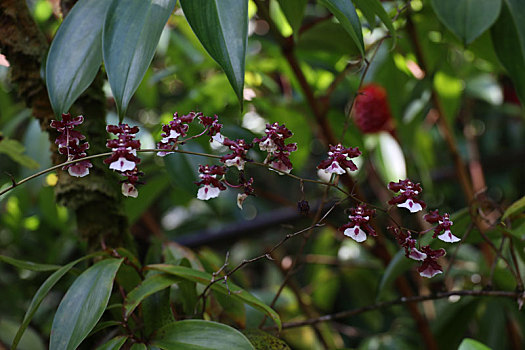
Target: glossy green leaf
232 290
149 286
156 311
28 265
200 334
468 19
508 38
294 12
471 344
222 28
41 293
15 150
397 266
345 13
376 8
515 207
138 346
83 305
131 33
75 54
113 344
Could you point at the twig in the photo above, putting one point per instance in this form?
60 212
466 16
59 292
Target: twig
520 297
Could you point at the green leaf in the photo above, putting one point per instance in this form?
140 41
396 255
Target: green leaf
515 207
15 150
468 19
232 290
131 33
138 346
471 344
182 169
345 13
83 305
294 12
149 286
397 266
75 54
30 341
200 334
156 311
222 28
508 37
41 293
375 7
114 344
28 265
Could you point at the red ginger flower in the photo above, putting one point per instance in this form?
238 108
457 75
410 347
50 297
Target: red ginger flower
444 224
339 159
359 223
408 195
371 110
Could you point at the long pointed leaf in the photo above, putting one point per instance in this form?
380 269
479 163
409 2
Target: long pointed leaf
75 54
232 290
150 285
28 265
200 334
131 33
345 13
41 293
83 305
508 37
222 28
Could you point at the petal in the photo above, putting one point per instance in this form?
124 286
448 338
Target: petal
122 164
207 192
335 168
447 236
356 234
430 272
240 199
411 205
417 255
79 170
129 190
237 162
218 137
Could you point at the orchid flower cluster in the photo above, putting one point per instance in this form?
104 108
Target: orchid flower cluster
124 158
212 179
71 143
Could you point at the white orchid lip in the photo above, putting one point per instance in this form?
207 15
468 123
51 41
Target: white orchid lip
409 204
430 272
448 237
334 168
207 192
356 234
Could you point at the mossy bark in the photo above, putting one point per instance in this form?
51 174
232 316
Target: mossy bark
96 198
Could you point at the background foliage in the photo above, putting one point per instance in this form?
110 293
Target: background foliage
452 73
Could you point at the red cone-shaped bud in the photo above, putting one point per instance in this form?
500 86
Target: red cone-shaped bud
371 110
